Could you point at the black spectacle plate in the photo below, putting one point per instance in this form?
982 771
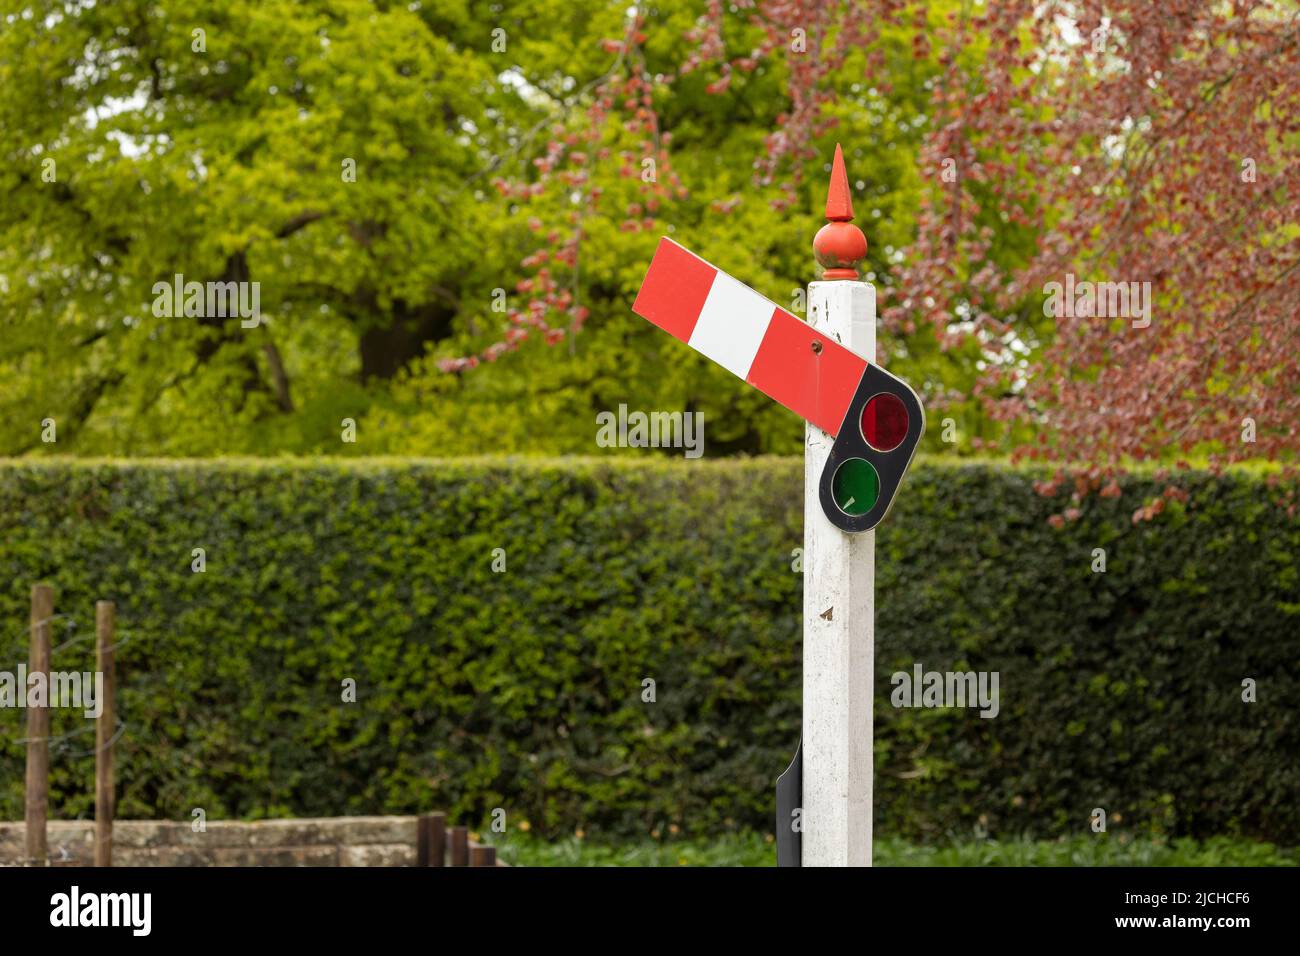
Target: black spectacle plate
851 448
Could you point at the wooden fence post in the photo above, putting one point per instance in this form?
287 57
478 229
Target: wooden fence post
38 730
104 614
437 839
422 840
482 855
459 846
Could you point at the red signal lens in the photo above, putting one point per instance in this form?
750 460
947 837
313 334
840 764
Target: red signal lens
884 422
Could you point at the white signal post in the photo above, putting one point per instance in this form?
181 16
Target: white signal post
839 583
839 609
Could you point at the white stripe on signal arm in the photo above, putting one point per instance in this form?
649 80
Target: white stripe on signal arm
732 324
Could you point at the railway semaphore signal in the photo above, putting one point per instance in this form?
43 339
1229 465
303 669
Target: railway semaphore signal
874 417
864 425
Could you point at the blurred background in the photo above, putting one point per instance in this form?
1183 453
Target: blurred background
447 208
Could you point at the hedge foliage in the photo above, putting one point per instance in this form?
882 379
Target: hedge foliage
523 689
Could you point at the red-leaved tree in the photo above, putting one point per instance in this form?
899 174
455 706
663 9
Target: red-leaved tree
1146 148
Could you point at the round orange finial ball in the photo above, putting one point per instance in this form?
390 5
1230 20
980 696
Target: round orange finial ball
839 245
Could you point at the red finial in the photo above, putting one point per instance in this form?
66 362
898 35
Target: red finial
839 246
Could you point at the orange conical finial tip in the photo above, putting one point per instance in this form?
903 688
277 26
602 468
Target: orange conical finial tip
839 203
839 245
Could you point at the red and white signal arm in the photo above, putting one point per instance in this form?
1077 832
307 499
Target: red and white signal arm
874 417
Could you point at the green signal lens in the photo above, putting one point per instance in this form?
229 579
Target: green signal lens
856 486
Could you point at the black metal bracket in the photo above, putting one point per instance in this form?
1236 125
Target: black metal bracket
789 812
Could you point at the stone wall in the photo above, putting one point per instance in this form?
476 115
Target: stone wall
327 841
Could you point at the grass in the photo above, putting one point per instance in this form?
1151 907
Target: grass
755 850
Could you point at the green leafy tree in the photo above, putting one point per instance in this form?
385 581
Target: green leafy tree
389 175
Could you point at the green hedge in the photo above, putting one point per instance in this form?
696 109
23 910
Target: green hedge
523 689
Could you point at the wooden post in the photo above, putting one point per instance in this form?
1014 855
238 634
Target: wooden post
839 583
104 618
38 729
437 839
460 846
422 840
482 855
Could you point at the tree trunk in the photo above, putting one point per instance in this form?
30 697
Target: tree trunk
386 351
